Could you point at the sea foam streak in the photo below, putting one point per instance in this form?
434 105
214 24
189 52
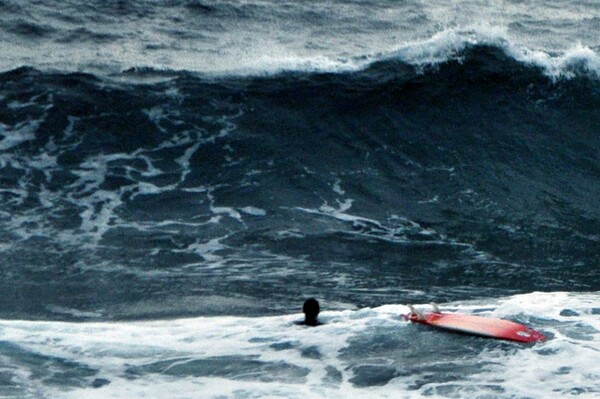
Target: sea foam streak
272 357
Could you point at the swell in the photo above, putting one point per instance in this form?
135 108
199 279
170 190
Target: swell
473 176
483 148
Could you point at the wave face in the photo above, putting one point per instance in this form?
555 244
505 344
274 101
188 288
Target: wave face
188 195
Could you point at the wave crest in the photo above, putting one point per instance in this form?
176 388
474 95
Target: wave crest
453 45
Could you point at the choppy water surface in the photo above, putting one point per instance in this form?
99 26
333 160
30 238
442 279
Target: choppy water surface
176 177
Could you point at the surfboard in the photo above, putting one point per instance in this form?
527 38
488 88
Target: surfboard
476 325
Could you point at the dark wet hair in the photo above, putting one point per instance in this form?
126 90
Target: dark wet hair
311 311
311 306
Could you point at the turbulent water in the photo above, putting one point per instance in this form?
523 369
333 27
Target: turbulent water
176 177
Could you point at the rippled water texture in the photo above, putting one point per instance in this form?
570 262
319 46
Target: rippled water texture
176 177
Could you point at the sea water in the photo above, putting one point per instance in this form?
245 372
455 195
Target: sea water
177 177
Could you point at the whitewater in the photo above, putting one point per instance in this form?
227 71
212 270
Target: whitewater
270 357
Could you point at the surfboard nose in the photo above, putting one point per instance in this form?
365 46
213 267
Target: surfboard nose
531 335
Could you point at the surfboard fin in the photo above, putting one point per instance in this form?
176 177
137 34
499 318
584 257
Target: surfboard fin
415 312
436 308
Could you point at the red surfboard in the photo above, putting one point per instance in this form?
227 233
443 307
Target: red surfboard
476 325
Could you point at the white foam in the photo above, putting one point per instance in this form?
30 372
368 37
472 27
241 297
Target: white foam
563 364
254 211
575 61
450 43
442 46
337 188
208 250
375 229
98 207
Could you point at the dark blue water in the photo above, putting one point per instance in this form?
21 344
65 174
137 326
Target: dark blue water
166 160
466 179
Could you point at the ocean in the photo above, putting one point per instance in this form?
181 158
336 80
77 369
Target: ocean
178 176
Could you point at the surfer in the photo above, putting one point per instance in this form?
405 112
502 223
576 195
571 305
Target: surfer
311 311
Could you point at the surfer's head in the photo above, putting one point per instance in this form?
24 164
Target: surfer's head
311 311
